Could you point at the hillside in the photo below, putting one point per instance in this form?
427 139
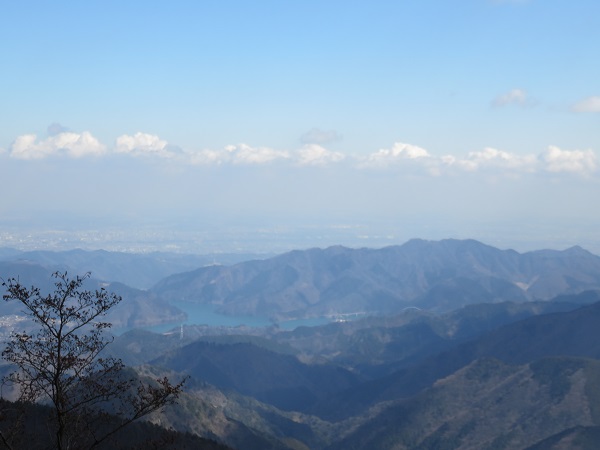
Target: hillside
465 346
441 276
138 307
29 431
377 346
571 334
274 378
489 405
255 389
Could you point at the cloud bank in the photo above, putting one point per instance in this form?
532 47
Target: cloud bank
575 161
491 158
315 155
76 145
399 155
142 144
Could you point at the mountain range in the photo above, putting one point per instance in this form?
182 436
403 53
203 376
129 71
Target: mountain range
453 345
524 377
337 281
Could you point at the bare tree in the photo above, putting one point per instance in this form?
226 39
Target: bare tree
61 364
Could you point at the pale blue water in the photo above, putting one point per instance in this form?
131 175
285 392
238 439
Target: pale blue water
205 315
314 322
199 314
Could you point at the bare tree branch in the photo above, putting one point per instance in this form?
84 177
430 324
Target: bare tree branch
60 363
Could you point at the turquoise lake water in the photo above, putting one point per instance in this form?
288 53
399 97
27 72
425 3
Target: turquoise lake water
205 315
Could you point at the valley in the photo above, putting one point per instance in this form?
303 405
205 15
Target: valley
432 344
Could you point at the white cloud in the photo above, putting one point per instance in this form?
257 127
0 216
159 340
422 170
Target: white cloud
399 152
406 157
143 144
308 155
590 104
574 161
75 145
514 97
245 154
318 136
489 161
315 155
207 157
492 158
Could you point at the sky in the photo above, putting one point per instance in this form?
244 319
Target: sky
401 119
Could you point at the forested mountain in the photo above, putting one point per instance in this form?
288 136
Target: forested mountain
334 282
571 333
138 308
274 378
489 404
532 384
438 276
461 346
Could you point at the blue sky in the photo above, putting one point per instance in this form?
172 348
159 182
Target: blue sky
478 117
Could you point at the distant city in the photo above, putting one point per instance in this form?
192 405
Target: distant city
276 239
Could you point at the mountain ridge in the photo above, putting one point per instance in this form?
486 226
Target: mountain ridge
437 275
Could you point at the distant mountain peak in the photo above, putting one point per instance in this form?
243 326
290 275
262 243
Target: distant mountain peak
577 250
436 275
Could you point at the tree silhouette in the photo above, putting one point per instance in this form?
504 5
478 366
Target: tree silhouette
61 363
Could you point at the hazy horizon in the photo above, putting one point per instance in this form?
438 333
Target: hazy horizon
271 240
266 126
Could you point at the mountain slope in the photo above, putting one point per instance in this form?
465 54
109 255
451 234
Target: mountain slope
137 308
458 399
270 377
576 438
376 346
440 275
570 334
489 405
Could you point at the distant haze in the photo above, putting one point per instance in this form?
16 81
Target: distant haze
240 126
